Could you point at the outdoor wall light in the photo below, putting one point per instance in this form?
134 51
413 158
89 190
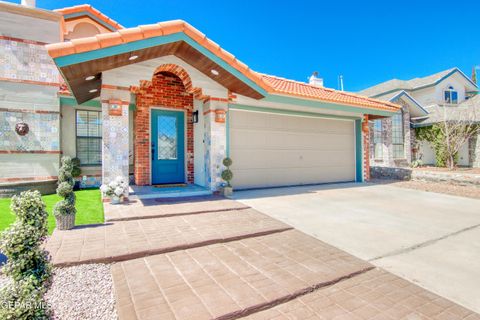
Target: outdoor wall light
195 117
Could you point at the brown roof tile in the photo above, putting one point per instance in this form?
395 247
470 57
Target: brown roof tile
91 10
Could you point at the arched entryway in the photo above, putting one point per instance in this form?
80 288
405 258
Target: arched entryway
163 128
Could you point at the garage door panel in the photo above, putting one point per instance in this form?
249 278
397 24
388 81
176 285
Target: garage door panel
275 150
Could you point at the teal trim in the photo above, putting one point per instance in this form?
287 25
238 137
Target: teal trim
288 112
152 42
358 151
70 101
326 105
227 125
86 13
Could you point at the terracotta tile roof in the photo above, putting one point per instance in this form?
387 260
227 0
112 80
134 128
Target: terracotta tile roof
88 8
301 89
270 84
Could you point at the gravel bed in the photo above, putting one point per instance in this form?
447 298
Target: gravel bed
439 187
81 292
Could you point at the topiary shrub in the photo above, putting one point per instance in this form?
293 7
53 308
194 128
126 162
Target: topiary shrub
64 210
227 174
76 170
27 263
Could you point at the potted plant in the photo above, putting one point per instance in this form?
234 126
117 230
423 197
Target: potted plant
76 172
227 175
64 210
115 190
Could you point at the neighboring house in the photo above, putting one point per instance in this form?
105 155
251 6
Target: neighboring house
424 101
164 104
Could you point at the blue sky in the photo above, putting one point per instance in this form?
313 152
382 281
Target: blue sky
365 41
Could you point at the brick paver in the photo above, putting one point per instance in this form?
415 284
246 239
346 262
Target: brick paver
230 279
122 240
152 208
375 294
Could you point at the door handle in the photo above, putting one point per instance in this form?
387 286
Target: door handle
153 151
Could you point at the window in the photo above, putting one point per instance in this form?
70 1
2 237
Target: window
397 136
377 139
89 137
451 96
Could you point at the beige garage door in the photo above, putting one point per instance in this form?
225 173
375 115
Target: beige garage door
279 150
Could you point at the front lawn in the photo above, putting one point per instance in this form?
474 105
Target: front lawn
89 209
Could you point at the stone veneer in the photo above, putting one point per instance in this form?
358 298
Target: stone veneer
474 151
166 90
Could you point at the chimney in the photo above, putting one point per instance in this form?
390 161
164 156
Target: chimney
28 3
315 81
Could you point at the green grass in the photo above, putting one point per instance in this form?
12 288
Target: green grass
89 209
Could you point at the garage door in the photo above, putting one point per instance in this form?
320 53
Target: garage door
278 150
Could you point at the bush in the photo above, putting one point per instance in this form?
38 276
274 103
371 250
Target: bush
227 174
27 263
65 189
76 170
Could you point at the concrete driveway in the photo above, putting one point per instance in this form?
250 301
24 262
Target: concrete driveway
428 238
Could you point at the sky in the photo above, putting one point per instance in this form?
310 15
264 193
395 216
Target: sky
367 42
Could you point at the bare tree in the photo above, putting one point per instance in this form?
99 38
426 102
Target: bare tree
457 126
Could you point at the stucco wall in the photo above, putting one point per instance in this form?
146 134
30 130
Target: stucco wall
435 94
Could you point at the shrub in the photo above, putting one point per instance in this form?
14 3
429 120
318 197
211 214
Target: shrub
65 189
227 174
76 170
27 263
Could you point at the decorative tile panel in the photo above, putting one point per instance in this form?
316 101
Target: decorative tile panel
215 146
43 132
26 61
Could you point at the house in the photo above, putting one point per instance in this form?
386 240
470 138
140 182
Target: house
164 104
424 101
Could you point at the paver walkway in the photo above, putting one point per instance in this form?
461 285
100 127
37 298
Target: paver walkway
228 280
154 208
125 240
375 294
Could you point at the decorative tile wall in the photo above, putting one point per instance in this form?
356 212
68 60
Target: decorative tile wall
215 146
26 61
43 132
115 144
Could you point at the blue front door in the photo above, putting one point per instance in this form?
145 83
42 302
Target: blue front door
168 146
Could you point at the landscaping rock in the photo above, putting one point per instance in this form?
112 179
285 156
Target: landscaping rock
83 292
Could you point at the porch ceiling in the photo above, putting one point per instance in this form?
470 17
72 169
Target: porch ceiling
75 74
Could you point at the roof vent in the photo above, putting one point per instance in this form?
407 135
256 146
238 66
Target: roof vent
314 80
28 3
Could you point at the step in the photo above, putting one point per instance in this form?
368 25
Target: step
124 240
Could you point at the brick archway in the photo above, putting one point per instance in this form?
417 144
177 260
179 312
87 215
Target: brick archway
170 88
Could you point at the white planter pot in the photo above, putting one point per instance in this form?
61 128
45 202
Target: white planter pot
227 192
115 200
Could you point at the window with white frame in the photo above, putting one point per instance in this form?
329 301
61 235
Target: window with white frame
89 137
451 95
398 136
377 139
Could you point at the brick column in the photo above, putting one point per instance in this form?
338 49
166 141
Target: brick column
215 143
366 148
115 151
